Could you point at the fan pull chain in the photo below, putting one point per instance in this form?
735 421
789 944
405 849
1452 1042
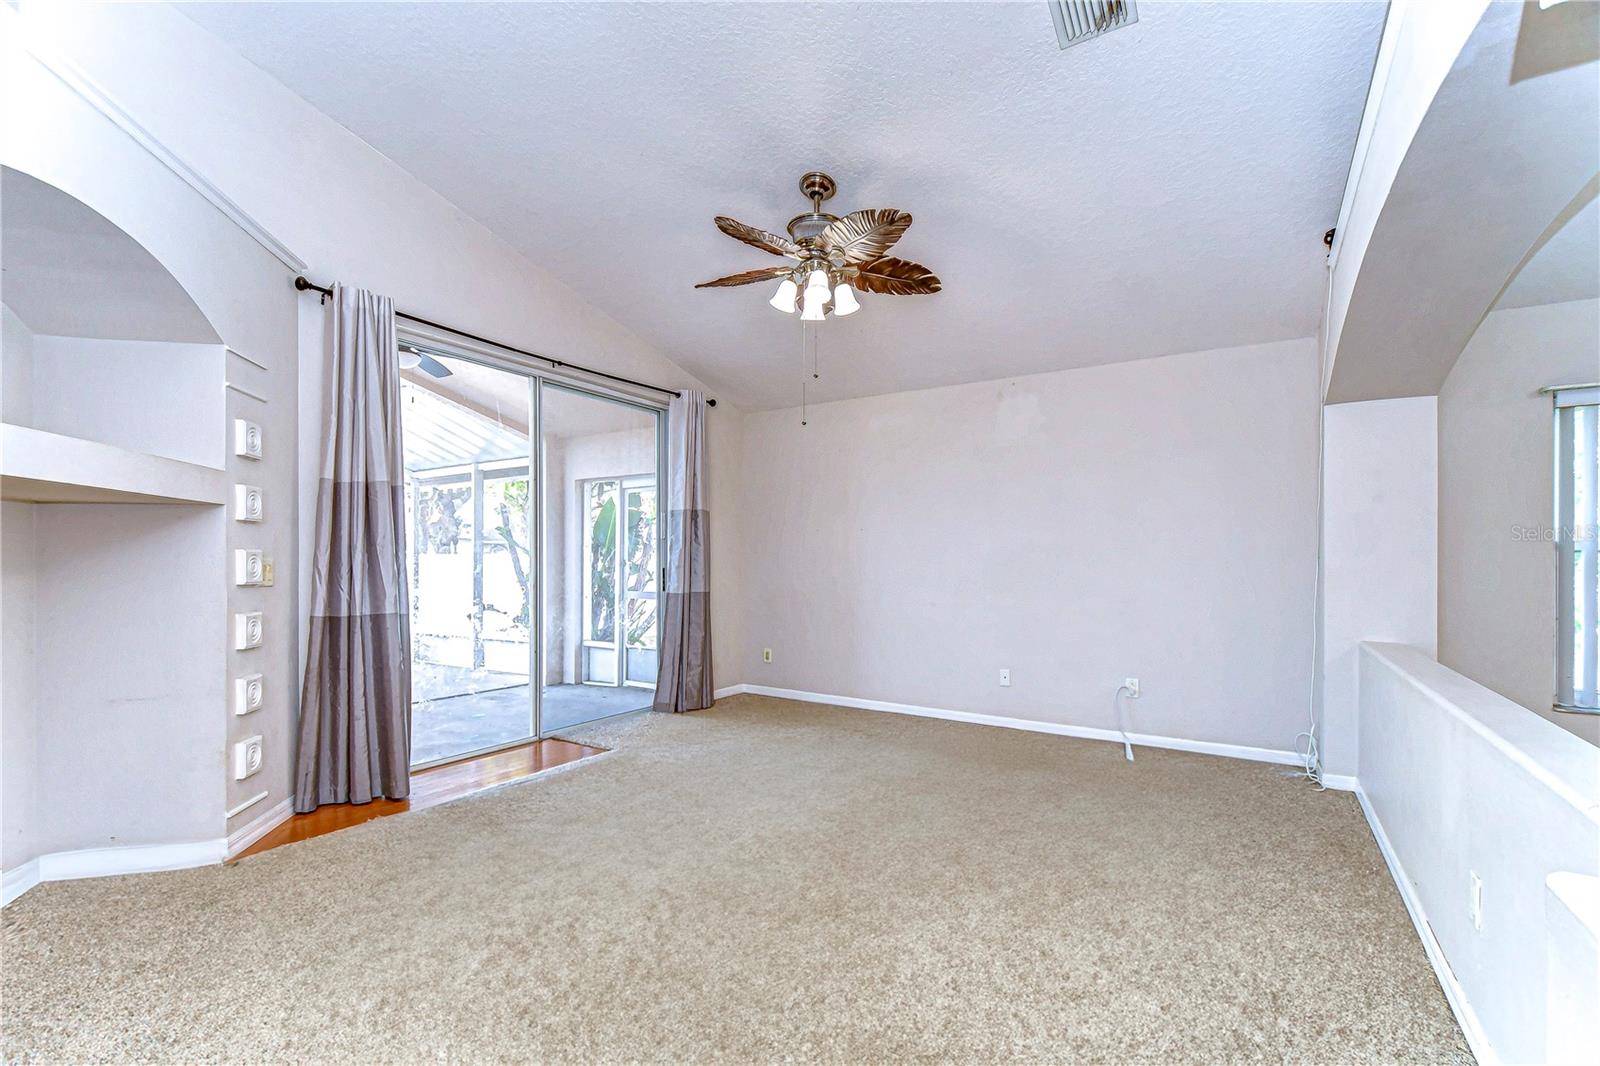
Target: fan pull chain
803 333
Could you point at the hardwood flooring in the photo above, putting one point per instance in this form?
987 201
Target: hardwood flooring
429 788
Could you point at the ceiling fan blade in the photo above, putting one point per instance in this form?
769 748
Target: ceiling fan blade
895 277
864 235
759 238
430 365
749 277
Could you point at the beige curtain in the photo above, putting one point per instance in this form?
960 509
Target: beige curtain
355 704
684 679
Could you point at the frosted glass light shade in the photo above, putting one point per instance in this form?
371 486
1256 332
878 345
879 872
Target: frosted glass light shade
409 360
844 300
815 298
819 281
783 299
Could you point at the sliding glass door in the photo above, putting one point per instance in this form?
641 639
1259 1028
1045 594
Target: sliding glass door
601 552
470 509
534 554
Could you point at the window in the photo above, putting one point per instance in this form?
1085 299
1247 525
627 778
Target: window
1577 523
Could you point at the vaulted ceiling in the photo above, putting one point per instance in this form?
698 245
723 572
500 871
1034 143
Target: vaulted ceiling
1162 189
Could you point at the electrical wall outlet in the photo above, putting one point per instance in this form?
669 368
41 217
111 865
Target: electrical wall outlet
248 504
248 693
246 757
766 655
266 571
1475 899
249 566
1132 685
246 439
1005 678
247 630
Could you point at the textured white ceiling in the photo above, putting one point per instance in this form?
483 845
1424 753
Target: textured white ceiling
1162 189
70 272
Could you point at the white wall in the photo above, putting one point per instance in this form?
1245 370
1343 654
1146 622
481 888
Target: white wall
1497 589
16 369
1153 519
131 633
159 397
19 703
51 133
1458 780
1380 548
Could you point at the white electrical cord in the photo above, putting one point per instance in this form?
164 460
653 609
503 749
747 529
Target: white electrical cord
1311 755
1116 703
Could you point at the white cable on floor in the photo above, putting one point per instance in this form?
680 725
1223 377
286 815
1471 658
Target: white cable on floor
1116 703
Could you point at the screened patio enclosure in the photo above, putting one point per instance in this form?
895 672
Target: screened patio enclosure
491 609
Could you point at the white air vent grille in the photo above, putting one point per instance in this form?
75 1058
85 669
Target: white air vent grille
1078 20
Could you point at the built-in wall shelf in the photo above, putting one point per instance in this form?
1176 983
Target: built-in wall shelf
43 467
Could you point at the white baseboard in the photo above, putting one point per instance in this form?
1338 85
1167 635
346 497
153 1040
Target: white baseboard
19 880
259 826
1466 1017
1148 740
1341 782
108 862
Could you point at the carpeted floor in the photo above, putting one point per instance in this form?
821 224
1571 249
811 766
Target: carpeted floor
766 881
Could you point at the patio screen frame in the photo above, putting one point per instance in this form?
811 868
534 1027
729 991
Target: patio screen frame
541 380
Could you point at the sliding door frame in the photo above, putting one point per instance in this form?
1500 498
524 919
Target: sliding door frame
540 376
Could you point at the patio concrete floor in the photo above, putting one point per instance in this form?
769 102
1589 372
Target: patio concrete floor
447 725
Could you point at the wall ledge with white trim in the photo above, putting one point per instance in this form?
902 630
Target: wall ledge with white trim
1459 782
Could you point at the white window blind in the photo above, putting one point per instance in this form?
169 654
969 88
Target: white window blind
1577 521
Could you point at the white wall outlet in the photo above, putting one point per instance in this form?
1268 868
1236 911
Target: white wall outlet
1005 678
248 505
248 692
1475 899
246 757
1132 685
249 566
247 630
246 439
766 655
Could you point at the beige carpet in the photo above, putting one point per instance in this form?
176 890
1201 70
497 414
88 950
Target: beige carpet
766 881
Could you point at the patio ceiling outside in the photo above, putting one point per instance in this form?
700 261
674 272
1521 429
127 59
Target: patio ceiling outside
440 434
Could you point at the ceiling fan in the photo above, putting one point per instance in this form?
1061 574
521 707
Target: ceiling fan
417 359
832 256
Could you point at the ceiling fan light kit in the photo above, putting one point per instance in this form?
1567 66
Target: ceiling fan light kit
832 257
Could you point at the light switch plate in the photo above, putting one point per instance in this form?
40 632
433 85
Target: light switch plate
248 504
247 630
248 693
246 439
246 757
249 566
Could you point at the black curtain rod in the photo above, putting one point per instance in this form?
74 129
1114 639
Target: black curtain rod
305 285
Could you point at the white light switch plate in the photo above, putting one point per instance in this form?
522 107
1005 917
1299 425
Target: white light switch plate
249 567
246 439
247 630
248 504
246 757
248 692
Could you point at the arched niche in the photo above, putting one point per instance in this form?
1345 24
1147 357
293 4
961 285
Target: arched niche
102 344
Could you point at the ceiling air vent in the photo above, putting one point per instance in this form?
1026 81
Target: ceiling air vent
1078 20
